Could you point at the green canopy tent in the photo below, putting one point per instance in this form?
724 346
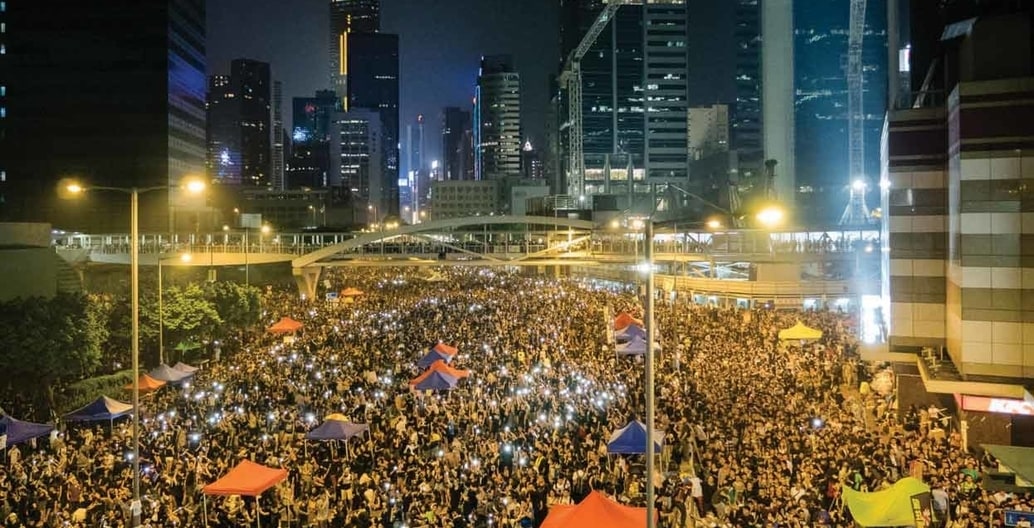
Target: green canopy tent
899 505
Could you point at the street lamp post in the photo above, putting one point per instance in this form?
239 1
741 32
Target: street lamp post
195 186
651 339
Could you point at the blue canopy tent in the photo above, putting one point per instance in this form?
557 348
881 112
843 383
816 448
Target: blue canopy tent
183 367
168 374
431 357
636 346
337 430
103 408
631 440
437 381
630 332
18 431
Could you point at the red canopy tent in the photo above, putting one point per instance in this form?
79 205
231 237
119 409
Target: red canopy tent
147 384
445 349
595 511
624 319
249 479
440 366
285 325
351 292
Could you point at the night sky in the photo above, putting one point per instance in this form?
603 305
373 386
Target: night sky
441 43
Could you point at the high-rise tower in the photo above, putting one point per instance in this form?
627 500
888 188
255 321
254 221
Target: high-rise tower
497 119
349 16
112 92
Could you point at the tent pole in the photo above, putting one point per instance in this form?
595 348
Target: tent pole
258 516
204 499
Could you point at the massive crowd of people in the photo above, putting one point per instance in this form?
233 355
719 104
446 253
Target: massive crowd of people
756 433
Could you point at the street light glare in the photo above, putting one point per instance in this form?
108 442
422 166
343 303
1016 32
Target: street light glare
194 186
266 229
74 188
858 185
714 224
186 257
770 216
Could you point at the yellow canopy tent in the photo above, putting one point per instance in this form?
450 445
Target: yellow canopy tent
799 331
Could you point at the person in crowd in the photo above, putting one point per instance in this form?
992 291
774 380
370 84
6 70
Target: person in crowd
757 433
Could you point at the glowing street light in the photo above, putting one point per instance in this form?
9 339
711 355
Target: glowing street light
771 216
714 223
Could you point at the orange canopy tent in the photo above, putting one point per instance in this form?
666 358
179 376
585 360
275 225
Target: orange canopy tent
249 479
351 292
624 319
595 511
147 384
440 366
285 325
445 349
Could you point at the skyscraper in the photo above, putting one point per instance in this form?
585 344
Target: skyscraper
373 84
239 149
314 127
634 98
745 121
456 156
348 16
415 148
497 119
278 136
131 114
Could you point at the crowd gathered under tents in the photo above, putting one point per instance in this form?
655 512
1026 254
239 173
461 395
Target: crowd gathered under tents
494 399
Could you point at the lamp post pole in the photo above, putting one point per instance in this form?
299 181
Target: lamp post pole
136 507
134 279
161 316
651 339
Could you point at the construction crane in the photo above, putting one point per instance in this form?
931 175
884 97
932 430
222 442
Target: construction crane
857 212
571 78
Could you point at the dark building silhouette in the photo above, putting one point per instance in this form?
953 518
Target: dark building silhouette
457 152
112 92
239 123
373 84
349 16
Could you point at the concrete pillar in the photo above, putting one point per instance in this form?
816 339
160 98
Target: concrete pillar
307 279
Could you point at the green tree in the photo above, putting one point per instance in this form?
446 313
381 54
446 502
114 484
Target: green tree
239 306
45 343
189 314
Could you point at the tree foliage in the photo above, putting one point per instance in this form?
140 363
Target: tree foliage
239 306
45 343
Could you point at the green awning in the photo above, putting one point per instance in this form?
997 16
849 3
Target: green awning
1019 460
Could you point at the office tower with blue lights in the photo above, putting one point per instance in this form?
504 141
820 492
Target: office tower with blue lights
110 92
634 99
792 99
239 125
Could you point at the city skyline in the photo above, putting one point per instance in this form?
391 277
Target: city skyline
439 62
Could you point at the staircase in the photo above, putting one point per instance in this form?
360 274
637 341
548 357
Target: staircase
68 280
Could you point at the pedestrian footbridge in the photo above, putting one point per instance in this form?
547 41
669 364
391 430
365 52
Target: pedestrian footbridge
692 253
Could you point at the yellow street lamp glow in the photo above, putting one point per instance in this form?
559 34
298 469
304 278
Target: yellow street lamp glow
266 229
714 223
74 188
638 223
770 216
186 257
614 224
226 227
194 186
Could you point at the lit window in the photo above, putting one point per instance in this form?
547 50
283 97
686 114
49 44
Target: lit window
3 112
3 91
